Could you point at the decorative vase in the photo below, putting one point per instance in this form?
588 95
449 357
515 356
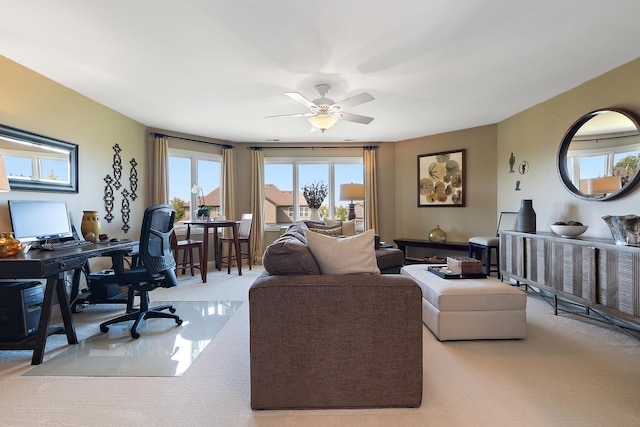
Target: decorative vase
314 214
625 229
437 235
90 226
203 214
9 245
526 220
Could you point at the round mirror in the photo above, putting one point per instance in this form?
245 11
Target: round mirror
598 157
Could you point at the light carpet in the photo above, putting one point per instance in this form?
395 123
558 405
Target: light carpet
568 372
164 349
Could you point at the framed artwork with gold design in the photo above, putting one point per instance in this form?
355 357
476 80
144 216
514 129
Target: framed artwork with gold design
441 179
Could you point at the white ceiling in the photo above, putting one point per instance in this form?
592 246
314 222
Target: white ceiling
216 68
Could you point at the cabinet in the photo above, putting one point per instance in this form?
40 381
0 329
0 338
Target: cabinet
593 272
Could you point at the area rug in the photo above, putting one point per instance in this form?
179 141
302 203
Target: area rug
164 349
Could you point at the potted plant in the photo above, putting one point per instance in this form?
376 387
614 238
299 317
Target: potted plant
202 213
314 194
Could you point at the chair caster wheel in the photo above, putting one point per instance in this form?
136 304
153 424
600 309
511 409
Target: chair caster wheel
104 328
135 335
172 309
179 321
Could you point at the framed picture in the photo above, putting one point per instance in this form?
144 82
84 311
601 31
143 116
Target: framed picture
441 179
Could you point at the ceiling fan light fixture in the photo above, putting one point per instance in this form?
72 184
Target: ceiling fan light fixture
323 122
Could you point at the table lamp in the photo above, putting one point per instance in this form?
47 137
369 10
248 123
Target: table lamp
352 192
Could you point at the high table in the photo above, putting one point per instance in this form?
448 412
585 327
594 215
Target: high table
215 224
52 265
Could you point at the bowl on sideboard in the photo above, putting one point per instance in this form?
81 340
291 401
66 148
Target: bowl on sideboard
569 230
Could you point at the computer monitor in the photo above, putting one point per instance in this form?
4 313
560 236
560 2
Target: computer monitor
39 220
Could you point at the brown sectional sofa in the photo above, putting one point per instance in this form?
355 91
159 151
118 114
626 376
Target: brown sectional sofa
332 341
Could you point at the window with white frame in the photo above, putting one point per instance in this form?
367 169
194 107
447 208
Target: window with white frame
192 168
282 175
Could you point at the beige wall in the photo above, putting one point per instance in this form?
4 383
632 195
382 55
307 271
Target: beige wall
32 102
535 134
36 104
479 217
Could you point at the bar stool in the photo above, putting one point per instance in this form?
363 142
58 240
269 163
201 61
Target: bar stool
187 246
484 246
244 236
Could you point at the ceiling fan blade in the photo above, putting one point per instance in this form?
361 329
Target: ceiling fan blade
356 118
290 115
355 100
301 99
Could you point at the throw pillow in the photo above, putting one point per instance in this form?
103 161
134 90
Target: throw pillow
348 227
328 231
348 255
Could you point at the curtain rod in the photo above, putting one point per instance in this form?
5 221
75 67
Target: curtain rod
190 139
365 147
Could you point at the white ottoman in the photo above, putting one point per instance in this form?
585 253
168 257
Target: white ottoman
469 309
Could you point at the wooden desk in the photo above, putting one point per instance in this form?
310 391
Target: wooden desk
51 265
215 224
420 243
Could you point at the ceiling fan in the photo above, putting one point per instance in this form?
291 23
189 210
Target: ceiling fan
326 112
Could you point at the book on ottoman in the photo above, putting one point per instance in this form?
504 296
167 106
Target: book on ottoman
464 265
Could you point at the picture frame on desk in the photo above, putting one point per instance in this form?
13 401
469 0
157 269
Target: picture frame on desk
441 179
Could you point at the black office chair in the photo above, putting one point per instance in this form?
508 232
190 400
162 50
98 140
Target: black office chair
155 268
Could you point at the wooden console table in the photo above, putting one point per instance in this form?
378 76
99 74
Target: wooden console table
420 243
595 273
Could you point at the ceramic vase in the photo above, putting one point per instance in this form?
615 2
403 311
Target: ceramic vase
90 226
526 220
438 235
9 245
314 215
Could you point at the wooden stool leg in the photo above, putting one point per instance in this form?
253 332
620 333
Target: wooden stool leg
231 246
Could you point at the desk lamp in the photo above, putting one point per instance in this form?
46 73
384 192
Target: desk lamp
352 192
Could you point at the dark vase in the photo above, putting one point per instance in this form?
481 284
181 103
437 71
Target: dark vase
526 221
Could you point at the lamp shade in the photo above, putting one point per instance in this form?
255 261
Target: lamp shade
323 122
603 185
352 192
4 181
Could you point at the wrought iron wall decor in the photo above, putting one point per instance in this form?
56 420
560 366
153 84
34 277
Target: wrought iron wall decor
108 198
126 210
133 179
113 183
117 167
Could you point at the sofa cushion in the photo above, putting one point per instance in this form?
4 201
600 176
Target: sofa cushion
289 254
348 227
335 230
348 255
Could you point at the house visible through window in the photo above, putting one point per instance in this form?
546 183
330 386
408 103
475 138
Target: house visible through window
188 169
283 205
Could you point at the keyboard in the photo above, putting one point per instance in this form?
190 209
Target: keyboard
67 244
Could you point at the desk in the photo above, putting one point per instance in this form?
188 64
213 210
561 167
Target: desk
419 243
215 224
51 265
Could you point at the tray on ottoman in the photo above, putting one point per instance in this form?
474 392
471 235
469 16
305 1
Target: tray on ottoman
445 273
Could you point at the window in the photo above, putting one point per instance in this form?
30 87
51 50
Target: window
189 168
283 205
